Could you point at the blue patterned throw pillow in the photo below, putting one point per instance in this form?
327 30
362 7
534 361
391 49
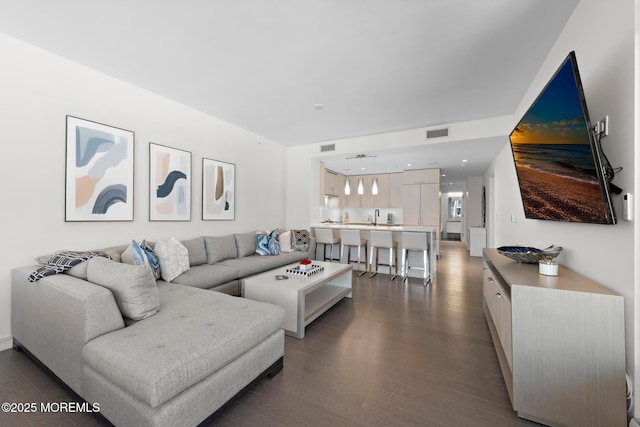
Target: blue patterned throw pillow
273 243
267 244
154 261
262 244
143 254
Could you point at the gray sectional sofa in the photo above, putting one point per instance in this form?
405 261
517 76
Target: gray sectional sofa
175 367
221 262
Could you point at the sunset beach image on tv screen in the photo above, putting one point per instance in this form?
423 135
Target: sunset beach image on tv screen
553 156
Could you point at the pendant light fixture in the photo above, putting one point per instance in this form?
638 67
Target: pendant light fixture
360 182
347 184
374 185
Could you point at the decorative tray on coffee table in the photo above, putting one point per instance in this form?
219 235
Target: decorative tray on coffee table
310 272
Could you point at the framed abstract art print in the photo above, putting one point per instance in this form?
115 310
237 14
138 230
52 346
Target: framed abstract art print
99 172
218 190
169 184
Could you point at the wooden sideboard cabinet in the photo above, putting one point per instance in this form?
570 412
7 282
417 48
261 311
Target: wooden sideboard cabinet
560 343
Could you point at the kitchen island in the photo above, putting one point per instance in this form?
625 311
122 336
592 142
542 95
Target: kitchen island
415 259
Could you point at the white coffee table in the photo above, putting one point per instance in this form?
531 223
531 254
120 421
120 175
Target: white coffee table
304 299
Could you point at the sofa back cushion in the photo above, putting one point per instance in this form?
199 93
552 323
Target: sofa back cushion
197 251
246 243
133 286
220 248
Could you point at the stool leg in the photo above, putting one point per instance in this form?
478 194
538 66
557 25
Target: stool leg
424 260
342 253
391 264
373 249
360 273
405 266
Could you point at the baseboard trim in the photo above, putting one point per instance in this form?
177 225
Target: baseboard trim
6 343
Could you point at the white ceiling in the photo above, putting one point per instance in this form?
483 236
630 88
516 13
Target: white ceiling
375 65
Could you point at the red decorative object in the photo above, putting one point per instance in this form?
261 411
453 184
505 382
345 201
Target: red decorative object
305 262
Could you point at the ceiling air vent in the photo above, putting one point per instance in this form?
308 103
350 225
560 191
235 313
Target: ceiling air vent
328 147
437 133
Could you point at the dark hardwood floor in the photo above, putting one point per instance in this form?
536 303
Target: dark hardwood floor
397 354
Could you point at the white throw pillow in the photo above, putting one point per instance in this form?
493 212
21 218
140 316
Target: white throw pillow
174 258
285 242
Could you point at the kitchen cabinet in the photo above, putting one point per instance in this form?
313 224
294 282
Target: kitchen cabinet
367 199
381 200
421 204
332 183
421 199
560 343
421 176
352 200
395 190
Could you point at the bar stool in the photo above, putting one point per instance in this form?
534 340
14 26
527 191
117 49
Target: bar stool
382 239
325 237
351 238
415 242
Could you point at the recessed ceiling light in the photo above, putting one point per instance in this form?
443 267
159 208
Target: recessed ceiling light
444 174
408 165
319 107
465 161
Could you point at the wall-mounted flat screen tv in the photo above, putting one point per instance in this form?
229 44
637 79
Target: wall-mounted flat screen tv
558 159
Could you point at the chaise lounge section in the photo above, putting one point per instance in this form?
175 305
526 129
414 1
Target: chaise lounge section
175 367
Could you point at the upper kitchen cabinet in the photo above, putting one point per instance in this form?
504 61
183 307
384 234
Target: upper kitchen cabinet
421 176
381 200
395 190
333 183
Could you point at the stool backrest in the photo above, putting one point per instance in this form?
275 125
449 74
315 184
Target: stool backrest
324 235
381 239
414 240
350 237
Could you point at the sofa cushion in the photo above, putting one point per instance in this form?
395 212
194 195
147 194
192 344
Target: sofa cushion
133 286
220 248
248 266
195 333
207 276
174 258
246 243
197 251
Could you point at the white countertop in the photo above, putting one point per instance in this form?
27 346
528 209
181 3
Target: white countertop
381 227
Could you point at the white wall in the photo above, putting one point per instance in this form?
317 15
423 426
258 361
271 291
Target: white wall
38 90
602 35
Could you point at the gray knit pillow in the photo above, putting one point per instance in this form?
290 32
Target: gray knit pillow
133 286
